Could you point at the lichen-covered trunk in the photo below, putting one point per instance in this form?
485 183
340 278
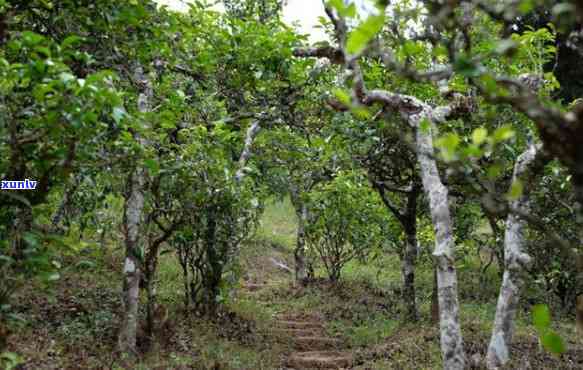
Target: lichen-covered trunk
515 258
408 272
252 132
134 206
450 330
300 252
133 218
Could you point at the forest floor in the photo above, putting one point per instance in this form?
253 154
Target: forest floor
268 323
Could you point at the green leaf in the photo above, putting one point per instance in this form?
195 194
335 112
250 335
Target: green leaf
349 11
503 133
553 343
66 77
472 151
85 264
466 67
489 84
412 48
448 143
71 41
479 135
31 38
361 112
541 317
526 6
494 171
360 37
336 4
516 190
425 125
118 114
31 239
43 50
342 96
152 165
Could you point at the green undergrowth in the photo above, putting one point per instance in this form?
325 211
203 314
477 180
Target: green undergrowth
73 323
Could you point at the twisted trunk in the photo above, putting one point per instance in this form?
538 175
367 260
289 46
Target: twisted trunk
515 258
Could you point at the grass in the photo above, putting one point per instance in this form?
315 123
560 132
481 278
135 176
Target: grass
73 323
278 223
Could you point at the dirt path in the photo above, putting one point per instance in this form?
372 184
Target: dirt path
310 346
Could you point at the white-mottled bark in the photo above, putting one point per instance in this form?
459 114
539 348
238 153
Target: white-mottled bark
133 217
252 132
515 259
300 252
131 288
450 330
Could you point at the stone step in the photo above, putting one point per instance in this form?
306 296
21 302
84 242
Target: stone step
299 317
319 360
292 324
253 287
315 343
294 332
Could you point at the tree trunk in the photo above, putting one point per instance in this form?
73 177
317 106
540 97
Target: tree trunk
450 330
300 252
131 290
68 192
408 220
515 259
133 217
408 272
150 268
252 132
22 224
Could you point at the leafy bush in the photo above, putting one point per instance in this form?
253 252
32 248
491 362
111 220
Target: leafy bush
347 221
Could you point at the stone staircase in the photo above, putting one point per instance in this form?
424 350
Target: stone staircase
313 349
